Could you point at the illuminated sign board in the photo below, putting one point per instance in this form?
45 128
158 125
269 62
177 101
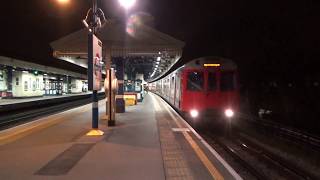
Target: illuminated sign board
211 65
94 63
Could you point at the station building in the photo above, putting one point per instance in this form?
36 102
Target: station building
20 79
136 50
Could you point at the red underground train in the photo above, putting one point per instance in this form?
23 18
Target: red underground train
205 89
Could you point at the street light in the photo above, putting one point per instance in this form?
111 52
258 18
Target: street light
92 27
92 32
127 3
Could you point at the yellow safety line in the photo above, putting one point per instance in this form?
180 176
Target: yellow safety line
213 171
19 132
204 159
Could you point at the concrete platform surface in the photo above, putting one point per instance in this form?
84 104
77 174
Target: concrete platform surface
149 141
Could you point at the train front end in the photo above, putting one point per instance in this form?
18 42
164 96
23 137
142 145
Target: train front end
210 92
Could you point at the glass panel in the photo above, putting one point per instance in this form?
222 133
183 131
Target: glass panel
195 81
26 85
212 81
227 81
33 85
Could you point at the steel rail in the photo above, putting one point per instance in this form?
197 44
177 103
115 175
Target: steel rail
267 155
292 134
24 117
236 156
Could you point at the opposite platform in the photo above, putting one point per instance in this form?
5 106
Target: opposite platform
149 141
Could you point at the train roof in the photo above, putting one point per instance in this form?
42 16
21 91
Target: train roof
212 61
199 63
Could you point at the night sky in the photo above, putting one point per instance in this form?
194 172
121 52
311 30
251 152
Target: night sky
269 38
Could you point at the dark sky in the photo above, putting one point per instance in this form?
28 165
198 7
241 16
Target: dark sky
274 39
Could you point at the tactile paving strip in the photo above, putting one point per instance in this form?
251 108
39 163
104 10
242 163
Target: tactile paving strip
175 164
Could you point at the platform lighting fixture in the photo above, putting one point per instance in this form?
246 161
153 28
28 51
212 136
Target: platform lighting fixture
158 58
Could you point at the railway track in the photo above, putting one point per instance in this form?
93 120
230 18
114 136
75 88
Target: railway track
17 118
257 161
272 156
294 135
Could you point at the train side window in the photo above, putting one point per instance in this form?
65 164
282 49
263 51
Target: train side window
212 81
227 81
195 81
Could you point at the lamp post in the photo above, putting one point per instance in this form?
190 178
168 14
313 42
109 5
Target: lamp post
95 105
92 27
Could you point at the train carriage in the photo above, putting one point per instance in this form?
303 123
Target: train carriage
205 89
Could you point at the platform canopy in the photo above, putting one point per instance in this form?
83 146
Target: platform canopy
144 49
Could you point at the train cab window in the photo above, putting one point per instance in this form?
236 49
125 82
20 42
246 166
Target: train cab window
212 81
227 81
195 81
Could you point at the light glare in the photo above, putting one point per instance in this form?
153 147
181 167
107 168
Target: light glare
229 113
63 1
194 113
127 3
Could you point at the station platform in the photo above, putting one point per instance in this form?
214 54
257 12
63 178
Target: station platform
150 141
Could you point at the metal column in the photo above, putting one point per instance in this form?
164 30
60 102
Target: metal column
120 103
95 106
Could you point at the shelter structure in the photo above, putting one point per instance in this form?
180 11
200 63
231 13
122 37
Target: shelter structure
132 48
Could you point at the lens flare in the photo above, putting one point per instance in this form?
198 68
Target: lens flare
132 24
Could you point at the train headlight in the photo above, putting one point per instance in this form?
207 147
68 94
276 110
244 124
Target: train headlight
194 113
229 113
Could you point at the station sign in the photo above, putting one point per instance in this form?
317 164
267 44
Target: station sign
94 63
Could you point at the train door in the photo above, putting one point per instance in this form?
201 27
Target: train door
212 88
172 89
177 91
193 90
167 89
